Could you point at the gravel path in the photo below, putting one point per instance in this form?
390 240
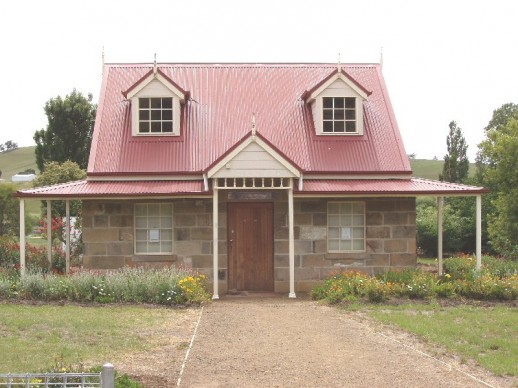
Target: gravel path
277 342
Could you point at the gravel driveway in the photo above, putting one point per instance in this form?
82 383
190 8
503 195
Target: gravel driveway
278 342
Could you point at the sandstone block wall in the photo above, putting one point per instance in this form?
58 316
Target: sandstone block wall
390 241
108 232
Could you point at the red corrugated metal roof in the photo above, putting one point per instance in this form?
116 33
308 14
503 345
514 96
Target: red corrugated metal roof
336 71
414 186
223 99
101 189
149 73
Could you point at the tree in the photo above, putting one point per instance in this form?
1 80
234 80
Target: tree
9 210
456 163
459 227
55 173
9 145
497 165
69 131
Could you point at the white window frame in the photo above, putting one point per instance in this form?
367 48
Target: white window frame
337 87
334 110
349 229
152 120
151 230
155 88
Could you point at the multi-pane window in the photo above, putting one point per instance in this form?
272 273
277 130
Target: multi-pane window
155 115
345 226
153 228
339 114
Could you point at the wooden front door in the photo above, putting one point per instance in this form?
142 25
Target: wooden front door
250 246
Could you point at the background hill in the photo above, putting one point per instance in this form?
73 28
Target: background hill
430 169
18 160
13 162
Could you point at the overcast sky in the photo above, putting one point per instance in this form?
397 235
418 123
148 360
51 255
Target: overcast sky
443 60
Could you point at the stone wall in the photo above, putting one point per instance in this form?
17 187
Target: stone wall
390 238
390 241
108 230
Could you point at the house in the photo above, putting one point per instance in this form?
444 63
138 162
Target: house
23 177
266 177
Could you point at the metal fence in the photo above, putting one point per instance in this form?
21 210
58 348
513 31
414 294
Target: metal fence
103 379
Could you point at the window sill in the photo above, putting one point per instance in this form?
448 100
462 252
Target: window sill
155 134
347 255
339 134
150 258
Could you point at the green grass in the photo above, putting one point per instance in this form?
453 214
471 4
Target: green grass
427 261
13 162
33 337
488 335
430 169
36 241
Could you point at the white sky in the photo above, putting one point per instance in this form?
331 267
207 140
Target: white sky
443 60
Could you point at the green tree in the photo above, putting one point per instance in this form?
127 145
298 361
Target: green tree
456 163
55 173
458 228
9 210
497 165
69 131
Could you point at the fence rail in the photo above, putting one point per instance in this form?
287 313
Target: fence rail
103 379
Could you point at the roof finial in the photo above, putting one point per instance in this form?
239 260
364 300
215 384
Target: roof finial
154 66
102 57
254 130
339 66
381 58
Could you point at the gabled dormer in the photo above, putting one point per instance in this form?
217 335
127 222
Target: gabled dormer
253 157
156 105
337 104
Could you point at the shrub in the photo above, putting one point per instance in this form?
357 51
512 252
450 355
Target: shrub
460 268
446 289
404 276
421 286
500 267
168 286
9 252
461 280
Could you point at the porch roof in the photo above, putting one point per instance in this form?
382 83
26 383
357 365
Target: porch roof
167 188
413 186
109 189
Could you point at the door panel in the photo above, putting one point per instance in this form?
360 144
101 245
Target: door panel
250 246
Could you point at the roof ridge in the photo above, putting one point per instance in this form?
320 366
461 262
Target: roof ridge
242 64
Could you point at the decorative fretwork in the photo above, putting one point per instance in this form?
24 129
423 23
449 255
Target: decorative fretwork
253 183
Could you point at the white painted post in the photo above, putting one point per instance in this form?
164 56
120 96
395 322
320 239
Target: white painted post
108 376
22 238
67 239
291 242
215 264
49 233
479 231
439 232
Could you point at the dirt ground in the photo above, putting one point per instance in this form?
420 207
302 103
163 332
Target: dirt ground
281 342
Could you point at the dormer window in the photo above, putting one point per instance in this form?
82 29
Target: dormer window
337 105
155 115
339 114
156 105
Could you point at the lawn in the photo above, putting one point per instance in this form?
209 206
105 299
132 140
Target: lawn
430 169
488 335
32 337
18 160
